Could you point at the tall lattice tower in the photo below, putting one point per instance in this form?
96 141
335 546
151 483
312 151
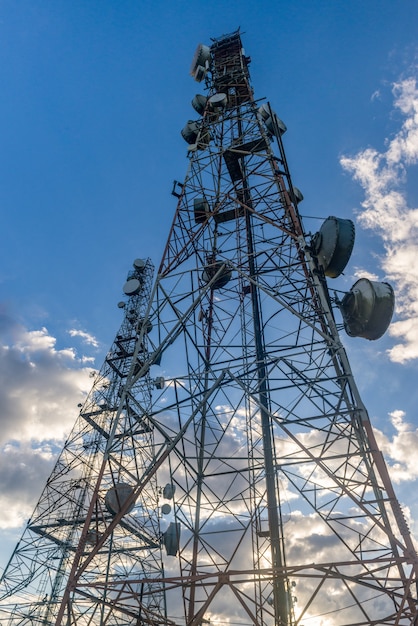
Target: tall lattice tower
249 488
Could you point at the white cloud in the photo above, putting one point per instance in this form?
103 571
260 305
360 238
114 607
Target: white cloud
396 417
40 387
86 337
382 176
360 273
399 449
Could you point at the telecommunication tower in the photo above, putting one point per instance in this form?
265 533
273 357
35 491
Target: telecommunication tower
248 487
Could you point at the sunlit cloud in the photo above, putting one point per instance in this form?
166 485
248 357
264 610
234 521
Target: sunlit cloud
397 448
85 337
385 210
40 387
360 273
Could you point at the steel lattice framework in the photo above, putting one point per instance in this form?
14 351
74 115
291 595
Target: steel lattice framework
275 482
75 532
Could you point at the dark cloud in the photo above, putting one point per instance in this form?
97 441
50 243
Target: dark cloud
23 472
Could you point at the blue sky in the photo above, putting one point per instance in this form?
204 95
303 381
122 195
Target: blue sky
94 95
